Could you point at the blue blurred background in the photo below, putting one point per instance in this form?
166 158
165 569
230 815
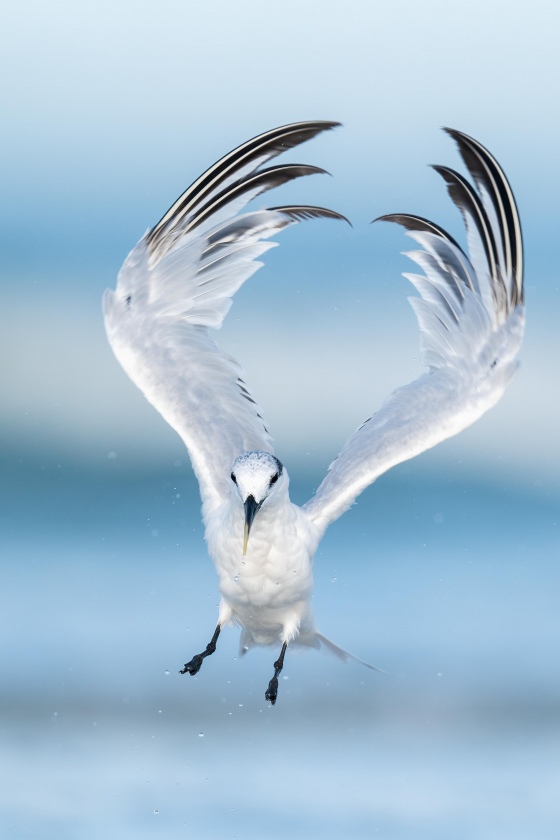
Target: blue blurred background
446 572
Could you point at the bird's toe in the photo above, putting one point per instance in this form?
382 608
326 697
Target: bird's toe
272 690
192 667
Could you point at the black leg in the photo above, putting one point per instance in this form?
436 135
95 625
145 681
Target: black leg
272 690
193 667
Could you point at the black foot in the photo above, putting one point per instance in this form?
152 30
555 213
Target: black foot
193 667
272 691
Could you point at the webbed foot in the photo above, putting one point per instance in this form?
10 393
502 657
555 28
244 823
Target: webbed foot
193 667
272 690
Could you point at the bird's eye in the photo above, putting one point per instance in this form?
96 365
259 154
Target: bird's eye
233 478
274 479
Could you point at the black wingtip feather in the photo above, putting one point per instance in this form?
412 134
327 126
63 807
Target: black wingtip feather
487 172
465 197
302 212
258 182
261 148
419 223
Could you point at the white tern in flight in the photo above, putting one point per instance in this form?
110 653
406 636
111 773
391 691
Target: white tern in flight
177 285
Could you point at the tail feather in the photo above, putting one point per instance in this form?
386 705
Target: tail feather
314 640
324 643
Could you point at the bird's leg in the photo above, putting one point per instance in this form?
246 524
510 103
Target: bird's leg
193 667
272 690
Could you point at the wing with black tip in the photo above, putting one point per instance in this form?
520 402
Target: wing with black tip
471 317
180 279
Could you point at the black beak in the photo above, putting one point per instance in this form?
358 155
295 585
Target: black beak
251 509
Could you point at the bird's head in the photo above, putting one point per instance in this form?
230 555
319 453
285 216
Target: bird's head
257 476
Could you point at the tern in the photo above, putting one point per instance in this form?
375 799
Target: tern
177 284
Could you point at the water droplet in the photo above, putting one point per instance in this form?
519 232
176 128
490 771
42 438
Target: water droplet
334 580
243 562
201 734
166 672
156 811
236 578
159 711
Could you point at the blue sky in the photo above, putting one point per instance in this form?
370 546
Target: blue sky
110 111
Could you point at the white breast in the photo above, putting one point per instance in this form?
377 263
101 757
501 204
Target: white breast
269 589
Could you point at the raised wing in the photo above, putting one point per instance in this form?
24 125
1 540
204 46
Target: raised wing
179 281
471 317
